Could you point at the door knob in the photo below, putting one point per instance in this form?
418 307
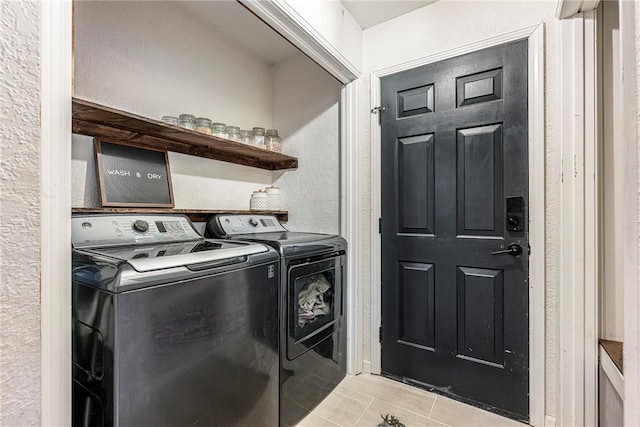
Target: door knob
513 249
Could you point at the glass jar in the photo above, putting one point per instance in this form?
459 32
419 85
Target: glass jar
273 141
187 121
203 125
219 130
258 137
233 133
246 136
170 120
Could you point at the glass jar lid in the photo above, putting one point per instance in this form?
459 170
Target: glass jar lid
272 132
172 120
187 118
258 131
203 121
219 126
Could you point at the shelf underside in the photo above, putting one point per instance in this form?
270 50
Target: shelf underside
100 121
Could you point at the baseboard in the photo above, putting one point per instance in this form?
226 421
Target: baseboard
366 366
549 421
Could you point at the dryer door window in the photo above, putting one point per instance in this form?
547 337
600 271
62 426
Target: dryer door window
314 302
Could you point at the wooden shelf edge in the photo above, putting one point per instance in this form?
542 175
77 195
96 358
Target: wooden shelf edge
89 118
614 350
196 215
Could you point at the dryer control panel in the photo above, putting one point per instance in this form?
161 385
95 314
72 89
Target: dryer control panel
232 225
116 230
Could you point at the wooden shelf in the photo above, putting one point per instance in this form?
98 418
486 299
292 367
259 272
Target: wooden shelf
98 120
614 350
193 214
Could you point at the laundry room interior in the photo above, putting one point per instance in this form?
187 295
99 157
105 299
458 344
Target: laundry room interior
170 58
316 213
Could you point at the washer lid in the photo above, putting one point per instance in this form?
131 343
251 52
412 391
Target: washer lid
286 237
182 254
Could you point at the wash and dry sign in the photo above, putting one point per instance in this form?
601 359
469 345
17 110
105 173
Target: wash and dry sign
132 176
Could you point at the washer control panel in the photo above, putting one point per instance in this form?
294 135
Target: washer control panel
247 224
99 230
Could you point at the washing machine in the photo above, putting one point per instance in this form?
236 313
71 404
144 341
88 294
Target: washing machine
169 328
312 307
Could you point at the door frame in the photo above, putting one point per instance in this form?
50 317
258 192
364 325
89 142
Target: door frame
580 243
535 36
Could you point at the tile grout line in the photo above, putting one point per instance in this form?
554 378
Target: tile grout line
326 419
435 396
364 412
433 406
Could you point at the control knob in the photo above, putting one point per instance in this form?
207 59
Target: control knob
140 226
253 222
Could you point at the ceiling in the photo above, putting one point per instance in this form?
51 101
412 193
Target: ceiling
232 21
373 12
237 24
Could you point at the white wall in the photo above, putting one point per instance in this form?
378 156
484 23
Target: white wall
20 214
445 25
335 24
306 110
612 288
156 58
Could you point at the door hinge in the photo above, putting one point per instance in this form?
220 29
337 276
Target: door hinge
380 334
380 225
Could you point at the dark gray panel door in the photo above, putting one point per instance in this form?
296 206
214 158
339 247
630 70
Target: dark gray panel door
455 190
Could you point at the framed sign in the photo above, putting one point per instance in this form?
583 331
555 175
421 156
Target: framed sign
132 176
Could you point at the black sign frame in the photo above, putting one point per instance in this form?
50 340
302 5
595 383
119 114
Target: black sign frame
130 176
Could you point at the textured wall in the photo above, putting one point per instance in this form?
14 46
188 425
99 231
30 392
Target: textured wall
155 58
19 214
449 24
306 110
198 183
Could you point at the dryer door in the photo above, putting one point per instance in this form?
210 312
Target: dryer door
314 303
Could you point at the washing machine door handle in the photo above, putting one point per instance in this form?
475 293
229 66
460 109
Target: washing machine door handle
216 264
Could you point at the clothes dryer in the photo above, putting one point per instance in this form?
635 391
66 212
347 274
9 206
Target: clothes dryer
312 307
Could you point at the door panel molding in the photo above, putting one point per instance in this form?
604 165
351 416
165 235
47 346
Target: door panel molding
535 37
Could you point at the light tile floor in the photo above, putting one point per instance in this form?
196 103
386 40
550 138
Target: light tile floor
360 401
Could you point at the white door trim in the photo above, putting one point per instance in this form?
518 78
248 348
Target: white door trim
55 224
628 37
579 239
287 22
535 36
349 213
